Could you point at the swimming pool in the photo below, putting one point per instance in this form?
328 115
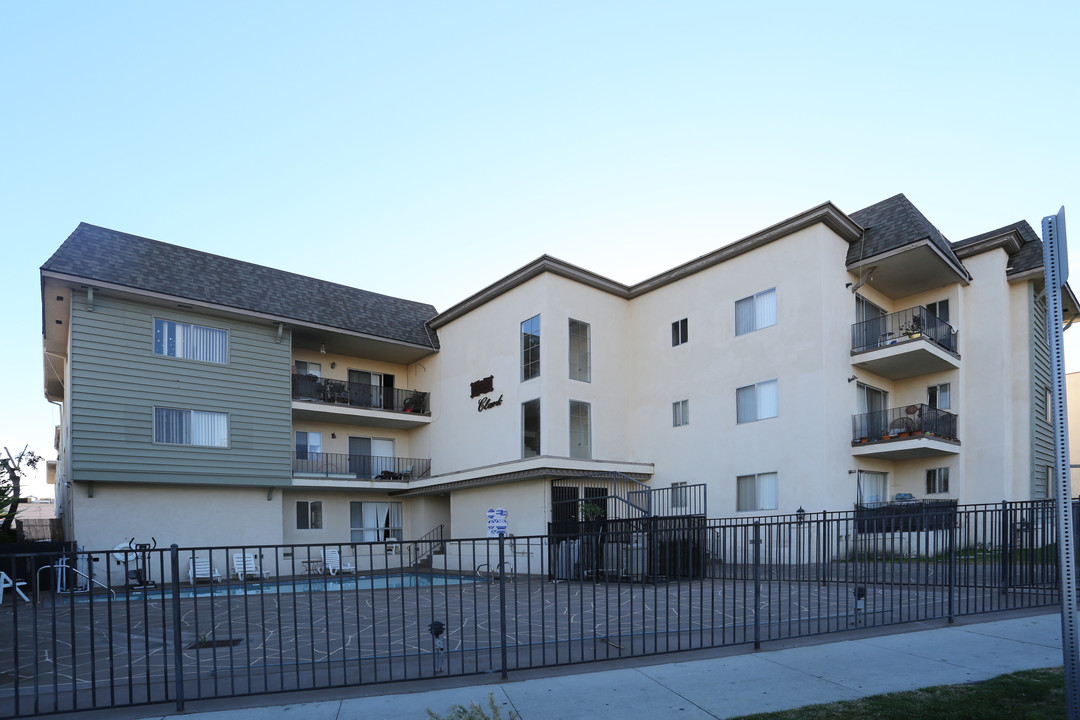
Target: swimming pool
305 585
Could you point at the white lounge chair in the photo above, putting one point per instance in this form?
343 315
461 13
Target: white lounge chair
333 564
7 582
244 564
200 569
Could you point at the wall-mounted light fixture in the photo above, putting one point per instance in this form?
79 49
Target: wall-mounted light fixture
851 378
333 435
333 365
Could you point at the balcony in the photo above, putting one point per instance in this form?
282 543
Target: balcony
324 399
912 431
904 344
340 466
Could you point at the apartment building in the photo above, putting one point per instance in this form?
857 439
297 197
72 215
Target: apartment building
828 360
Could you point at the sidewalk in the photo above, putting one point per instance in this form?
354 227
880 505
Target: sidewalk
827 670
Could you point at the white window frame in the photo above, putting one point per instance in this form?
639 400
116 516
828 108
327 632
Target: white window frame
763 494
526 451
312 444
758 312
530 356
188 346
680 413
680 332
313 514
764 397
940 390
191 429
580 430
580 358
937 481
680 495
864 478
383 530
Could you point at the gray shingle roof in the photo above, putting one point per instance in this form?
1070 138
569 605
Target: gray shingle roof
1030 256
108 256
892 224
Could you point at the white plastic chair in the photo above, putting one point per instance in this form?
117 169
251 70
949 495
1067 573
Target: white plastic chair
244 564
332 562
7 582
201 569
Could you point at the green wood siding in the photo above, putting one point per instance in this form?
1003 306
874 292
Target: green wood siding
1042 441
117 380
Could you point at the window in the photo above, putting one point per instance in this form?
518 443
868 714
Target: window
873 487
309 515
939 396
191 427
580 361
680 496
580 441
375 521
756 492
530 348
308 368
308 443
937 480
680 413
193 342
756 402
755 312
939 309
530 428
679 333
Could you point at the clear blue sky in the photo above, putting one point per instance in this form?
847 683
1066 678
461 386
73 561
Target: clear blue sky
426 149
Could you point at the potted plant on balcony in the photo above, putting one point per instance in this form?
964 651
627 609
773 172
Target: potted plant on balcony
913 327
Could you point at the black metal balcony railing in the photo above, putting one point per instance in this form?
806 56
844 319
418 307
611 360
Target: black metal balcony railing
343 392
364 467
911 324
903 422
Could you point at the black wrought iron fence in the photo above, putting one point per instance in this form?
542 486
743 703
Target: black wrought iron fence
365 467
362 395
909 421
915 323
131 627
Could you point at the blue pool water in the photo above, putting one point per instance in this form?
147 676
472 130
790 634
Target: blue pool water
305 585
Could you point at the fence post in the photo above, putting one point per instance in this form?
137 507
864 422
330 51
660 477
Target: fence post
952 564
178 649
502 598
756 542
1006 549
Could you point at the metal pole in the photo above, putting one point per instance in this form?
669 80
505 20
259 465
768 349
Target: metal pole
756 542
178 649
502 598
1056 267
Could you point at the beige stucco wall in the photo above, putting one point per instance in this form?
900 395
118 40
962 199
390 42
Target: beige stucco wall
187 516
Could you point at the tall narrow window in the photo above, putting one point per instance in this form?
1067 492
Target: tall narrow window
755 312
530 428
173 426
679 332
680 413
680 495
937 480
308 368
756 492
193 342
756 402
580 440
309 515
580 360
530 348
